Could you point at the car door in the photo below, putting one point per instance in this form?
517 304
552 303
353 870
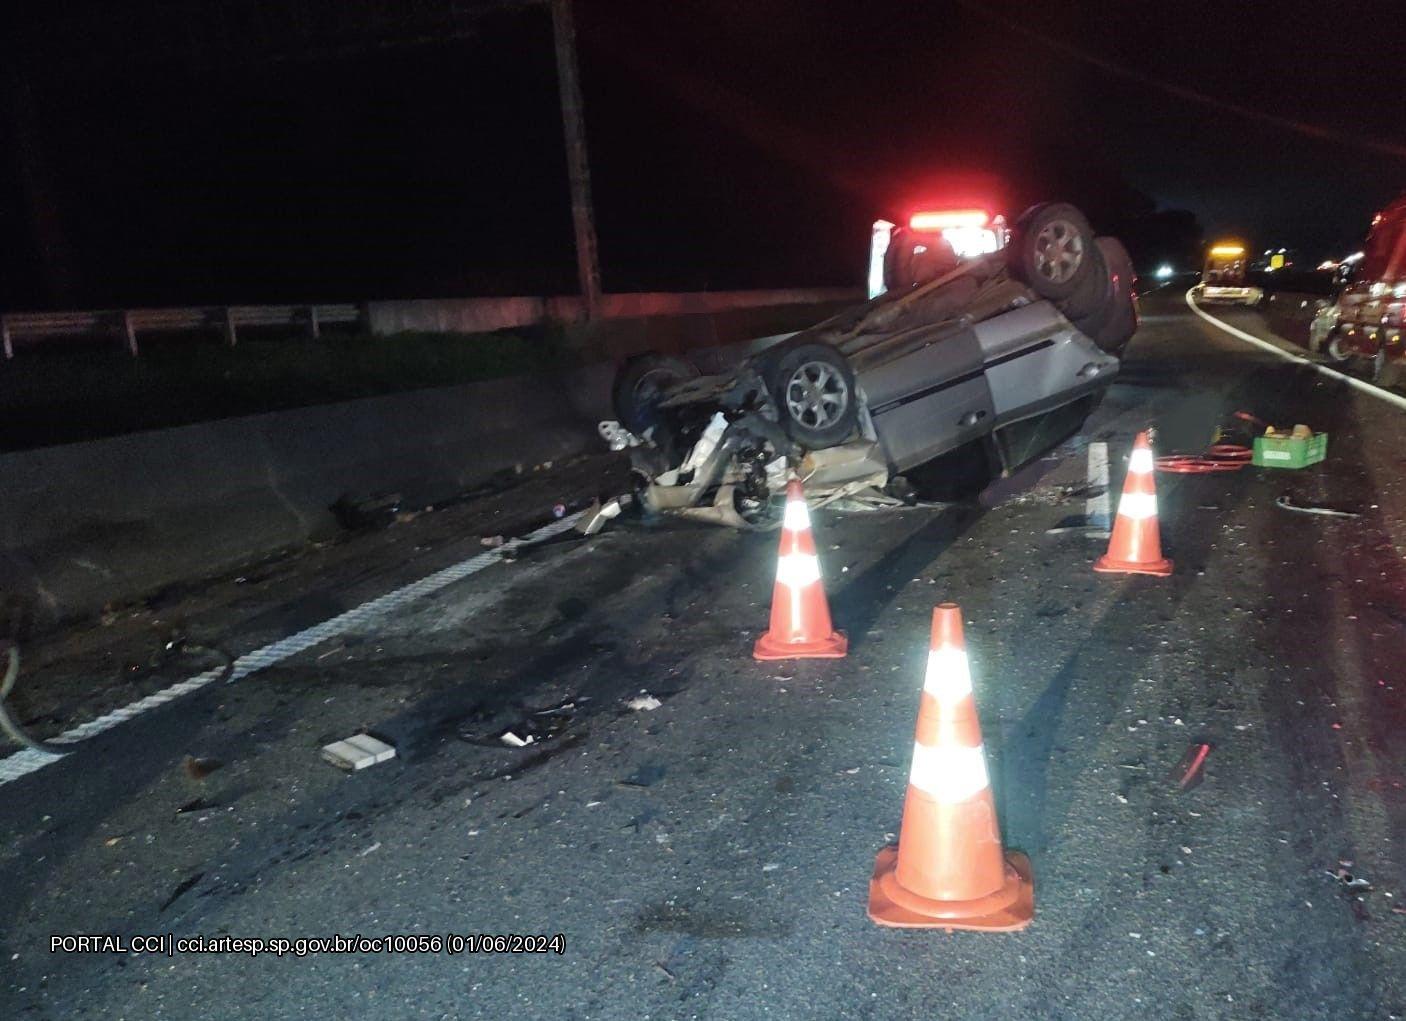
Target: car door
1037 361
926 392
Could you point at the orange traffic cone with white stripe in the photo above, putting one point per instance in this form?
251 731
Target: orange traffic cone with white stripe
1136 544
800 616
949 870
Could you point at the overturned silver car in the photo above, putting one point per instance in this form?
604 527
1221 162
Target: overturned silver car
992 360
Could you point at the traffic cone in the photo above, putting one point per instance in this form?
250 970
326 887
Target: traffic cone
949 870
800 616
1136 545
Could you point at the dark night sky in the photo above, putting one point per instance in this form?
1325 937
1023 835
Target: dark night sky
733 144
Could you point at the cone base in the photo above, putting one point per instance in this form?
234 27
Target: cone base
1009 909
1110 565
769 648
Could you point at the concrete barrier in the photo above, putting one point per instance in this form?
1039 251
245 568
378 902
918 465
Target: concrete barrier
484 315
85 524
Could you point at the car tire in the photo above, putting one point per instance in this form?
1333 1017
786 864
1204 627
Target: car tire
639 385
1094 294
1333 351
1050 250
1113 325
814 390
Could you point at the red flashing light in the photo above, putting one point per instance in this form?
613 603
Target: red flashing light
949 218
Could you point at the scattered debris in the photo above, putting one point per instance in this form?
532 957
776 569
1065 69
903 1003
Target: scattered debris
495 728
1187 772
1357 884
357 752
183 886
645 776
616 436
374 847
199 769
595 517
360 513
198 805
492 541
644 702
1307 508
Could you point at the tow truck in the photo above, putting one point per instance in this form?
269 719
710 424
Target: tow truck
1223 277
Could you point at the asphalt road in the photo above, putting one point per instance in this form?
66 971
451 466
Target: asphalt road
710 858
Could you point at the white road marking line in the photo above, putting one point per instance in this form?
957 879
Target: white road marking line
28 761
1365 387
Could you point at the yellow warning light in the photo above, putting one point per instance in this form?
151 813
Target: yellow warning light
1228 250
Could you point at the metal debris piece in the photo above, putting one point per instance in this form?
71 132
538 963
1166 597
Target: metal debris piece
597 515
198 805
1187 772
357 752
643 703
1306 508
1357 884
616 436
513 741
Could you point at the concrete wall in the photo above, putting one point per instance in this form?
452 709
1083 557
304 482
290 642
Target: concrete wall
111 520
630 324
483 315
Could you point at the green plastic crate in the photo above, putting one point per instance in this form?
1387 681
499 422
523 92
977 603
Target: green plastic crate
1286 452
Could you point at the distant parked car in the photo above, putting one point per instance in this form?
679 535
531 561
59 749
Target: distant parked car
1366 321
1007 352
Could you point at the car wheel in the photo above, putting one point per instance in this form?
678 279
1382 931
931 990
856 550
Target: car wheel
641 383
1334 349
1050 250
1094 294
1113 325
813 386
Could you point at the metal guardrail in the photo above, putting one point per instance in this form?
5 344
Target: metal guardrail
127 323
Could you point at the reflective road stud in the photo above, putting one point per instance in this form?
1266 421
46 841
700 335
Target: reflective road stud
1136 544
800 616
950 870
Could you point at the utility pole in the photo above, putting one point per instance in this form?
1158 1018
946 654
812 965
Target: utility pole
577 166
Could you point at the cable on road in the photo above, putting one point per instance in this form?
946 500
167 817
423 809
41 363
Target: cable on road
19 734
7 722
1303 508
1219 457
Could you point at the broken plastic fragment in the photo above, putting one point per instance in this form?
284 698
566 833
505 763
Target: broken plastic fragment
1188 771
644 703
513 741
